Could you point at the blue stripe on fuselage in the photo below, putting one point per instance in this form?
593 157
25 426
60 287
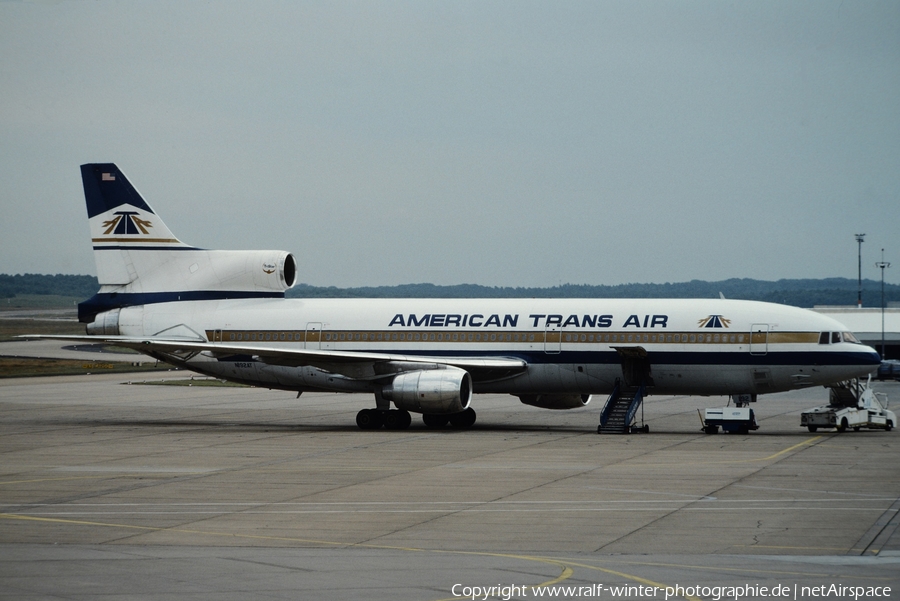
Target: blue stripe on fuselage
106 301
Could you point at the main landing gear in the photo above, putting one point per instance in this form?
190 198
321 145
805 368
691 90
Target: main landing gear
460 421
392 419
399 419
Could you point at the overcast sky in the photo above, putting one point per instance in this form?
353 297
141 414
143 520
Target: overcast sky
498 143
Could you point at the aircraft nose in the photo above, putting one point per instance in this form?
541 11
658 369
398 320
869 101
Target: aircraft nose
869 356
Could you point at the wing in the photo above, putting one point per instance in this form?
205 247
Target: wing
353 364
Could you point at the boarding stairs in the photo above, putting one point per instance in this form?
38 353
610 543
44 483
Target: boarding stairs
618 414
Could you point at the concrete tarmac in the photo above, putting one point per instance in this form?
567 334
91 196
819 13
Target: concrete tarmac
53 349
130 491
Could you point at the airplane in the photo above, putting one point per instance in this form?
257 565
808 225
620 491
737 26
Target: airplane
223 313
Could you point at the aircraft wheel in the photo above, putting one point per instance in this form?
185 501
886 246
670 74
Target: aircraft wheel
369 419
812 428
397 419
434 420
463 419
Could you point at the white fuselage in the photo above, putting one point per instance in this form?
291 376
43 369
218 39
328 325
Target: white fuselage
696 346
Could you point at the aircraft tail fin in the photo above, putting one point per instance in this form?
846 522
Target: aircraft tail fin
139 260
121 221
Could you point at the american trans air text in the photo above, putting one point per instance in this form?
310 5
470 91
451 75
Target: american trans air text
535 320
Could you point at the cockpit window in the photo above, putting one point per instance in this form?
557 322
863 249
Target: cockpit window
823 337
835 337
849 337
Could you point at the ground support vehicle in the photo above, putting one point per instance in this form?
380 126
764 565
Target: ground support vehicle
851 405
731 419
889 370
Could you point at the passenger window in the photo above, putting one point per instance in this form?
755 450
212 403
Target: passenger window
823 338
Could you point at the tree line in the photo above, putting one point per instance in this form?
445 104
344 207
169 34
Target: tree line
59 284
799 292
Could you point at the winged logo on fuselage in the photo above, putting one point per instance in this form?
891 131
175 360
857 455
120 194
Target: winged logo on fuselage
714 321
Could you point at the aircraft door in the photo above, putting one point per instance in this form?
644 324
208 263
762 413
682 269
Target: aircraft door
759 339
635 365
313 338
552 340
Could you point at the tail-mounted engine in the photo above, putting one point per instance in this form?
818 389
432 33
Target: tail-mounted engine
441 391
194 274
239 270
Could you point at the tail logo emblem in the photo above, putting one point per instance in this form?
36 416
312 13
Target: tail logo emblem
714 321
126 222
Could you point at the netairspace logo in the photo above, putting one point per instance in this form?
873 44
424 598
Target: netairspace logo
715 593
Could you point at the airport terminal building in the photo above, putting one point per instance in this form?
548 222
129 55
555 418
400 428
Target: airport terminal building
866 323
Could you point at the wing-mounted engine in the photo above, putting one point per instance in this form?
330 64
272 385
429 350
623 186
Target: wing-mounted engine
556 401
436 391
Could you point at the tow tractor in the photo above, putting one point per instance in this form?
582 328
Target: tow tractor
851 405
739 418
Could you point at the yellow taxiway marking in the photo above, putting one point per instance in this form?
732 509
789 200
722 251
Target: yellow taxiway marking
806 442
631 577
566 570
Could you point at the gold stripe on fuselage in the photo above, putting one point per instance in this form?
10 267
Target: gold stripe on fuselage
521 337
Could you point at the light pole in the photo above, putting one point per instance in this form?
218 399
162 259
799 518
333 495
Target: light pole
882 264
859 239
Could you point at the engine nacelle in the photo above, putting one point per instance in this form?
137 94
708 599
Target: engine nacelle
265 272
197 269
444 391
274 270
556 401
105 324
